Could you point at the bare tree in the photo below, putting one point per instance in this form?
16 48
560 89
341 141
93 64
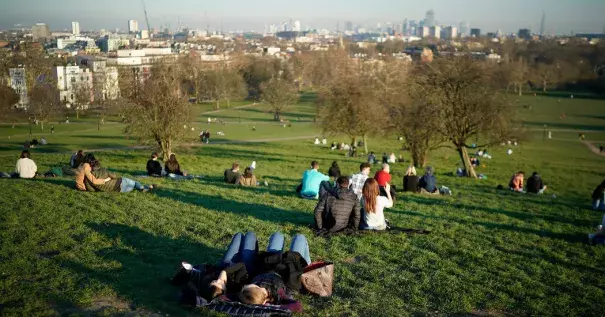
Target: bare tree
44 102
224 84
279 94
8 99
545 74
82 96
465 105
519 74
160 112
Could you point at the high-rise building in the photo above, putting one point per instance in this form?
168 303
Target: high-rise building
429 20
405 27
18 83
296 27
133 26
451 32
543 24
75 28
40 31
423 31
465 28
475 33
348 26
435 31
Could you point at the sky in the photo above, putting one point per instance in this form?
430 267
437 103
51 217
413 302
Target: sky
562 16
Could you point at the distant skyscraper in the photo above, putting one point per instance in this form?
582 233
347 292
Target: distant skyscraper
475 32
133 26
435 31
75 28
348 26
296 27
40 31
451 32
543 24
423 31
429 20
465 28
524 34
405 27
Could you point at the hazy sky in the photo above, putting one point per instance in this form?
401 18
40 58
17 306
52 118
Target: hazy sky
562 16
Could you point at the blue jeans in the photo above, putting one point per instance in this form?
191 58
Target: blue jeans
129 185
598 204
178 177
300 245
241 249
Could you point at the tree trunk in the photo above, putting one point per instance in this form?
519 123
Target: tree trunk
77 113
218 104
418 158
228 103
276 116
41 124
520 89
365 143
468 167
544 86
166 147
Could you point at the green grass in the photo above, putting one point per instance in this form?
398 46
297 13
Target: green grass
490 252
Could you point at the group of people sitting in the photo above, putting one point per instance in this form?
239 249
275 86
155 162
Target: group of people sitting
534 185
247 179
33 143
172 168
388 159
248 276
90 176
357 202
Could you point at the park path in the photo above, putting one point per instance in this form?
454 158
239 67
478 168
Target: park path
593 148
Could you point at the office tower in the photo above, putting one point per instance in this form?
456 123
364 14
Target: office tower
296 27
464 28
475 32
348 26
75 28
40 31
133 26
524 34
451 32
542 24
405 27
435 31
423 31
429 20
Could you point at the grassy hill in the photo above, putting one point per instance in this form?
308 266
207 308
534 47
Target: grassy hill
489 253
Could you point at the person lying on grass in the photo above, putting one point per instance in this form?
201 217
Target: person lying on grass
337 212
373 206
278 274
104 183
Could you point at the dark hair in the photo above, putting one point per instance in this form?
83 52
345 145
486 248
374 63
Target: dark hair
80 152
172 158
89 158
334 164
25 154
211 292
314 164
521 172
154 155
535 174
343 181
364 166
248 172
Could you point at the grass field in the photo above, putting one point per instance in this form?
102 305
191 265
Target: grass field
489 253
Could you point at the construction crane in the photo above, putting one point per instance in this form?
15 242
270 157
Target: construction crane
146 19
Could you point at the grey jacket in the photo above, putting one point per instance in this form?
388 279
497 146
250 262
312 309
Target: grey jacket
337 212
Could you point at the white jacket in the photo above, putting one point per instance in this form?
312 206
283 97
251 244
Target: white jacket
26 168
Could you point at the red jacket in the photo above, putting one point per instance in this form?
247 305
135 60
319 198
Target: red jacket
382 178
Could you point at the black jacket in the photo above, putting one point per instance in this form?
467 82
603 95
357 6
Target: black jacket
334 172
534 184
337 212
289 265
598 192
154 168
410 183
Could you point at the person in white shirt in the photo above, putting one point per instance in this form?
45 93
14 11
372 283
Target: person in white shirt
43 141
357 181
373 206
26 168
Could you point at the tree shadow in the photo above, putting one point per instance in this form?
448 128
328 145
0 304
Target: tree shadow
571 126
138 264
69 183
220 204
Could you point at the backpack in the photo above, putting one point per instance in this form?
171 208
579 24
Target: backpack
318 278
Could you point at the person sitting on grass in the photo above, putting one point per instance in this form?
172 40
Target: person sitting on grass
173 168
383 177
358 180
392 159
77 159
372 158
278 274
428 183
314 183
535 184
410 180
598 197
26 167
154 168
248 179
43 141
232 176
335 213
334 171
373 206
84 176
516 182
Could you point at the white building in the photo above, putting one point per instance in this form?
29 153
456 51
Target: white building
451 32
69 80
133 26
40 31
19 84
296 27
62 43
75 28
423 31
144 34
435 31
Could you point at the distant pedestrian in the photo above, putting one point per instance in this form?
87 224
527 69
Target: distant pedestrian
601 149
52 129
207 136
549 134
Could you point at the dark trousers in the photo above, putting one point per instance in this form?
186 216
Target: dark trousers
324 187
383 192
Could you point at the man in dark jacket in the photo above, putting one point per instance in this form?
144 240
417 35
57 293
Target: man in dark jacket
338 211
535 184
154 168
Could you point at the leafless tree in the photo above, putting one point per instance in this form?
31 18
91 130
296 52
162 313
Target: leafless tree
44 102
280 95
82 96
8 99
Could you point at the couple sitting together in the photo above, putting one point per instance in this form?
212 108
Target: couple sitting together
172 168
248 276
233 176
354 204
90 176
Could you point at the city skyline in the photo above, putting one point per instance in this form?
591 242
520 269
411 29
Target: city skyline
564 17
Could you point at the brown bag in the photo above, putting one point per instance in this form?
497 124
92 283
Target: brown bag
318 278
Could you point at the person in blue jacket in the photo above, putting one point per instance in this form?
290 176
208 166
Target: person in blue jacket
314 183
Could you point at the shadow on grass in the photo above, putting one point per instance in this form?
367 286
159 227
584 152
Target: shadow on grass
138 264
570 126
220 204
69 183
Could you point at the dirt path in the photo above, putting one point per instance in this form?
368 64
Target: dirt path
593 148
